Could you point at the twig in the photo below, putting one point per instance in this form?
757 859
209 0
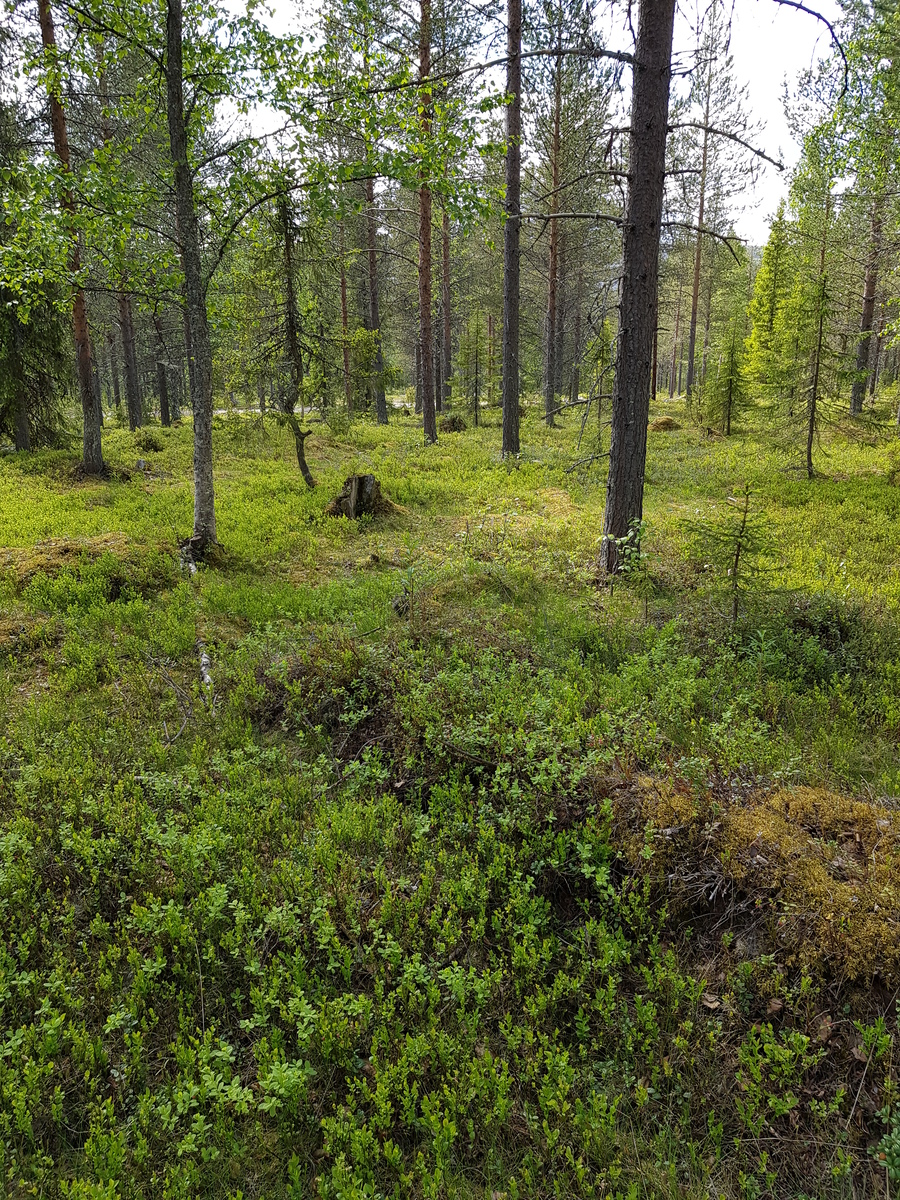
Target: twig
585 461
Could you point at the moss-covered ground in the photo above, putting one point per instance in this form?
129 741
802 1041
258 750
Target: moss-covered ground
468 875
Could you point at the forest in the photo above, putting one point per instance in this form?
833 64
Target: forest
449 603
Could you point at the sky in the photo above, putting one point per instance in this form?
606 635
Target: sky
769 44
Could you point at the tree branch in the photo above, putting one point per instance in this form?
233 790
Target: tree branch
730 136
811 12
719 237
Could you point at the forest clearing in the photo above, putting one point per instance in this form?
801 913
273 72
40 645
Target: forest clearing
466 873
449 594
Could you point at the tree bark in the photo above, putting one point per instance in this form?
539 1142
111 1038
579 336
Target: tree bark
162 374
162 378
511 230
673 370
429 420
490 350
92 448
867 320
22 427
873 374
813 400
300 436
132 383
640 272
575 376
445 305
698 250
550 363
123 299
381 412
114 372
345 325
291 320
199 347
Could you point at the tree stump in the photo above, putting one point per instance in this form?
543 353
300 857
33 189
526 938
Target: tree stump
360 496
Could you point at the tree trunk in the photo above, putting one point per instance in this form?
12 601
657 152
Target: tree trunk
445 304
345 326
22 427
673 370
698 250
873 374
575 377
418 370
511 254
867 320
640 270
300 436
729 399
550 364
292 320
425 326
123 299
162 376
132 383
490 350
92 448
813 401
114 372
475 388
381 412
163 386
199 348
706 327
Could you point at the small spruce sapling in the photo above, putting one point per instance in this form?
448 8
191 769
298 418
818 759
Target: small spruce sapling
735 545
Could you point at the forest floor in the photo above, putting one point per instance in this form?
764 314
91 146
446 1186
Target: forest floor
466 875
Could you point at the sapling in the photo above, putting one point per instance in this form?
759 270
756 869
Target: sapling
734 545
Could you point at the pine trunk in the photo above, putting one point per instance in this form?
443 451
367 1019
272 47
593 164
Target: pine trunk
92 448
381 411
199 347
873 374
698 249
511 230
345 326
445 304
673 369
550 357
867 320
813 400
425 325
291 320
132 383
640 271
163 388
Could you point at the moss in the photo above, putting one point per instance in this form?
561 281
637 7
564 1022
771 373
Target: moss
819 869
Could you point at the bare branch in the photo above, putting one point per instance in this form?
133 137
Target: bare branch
730 136
719 237
811 12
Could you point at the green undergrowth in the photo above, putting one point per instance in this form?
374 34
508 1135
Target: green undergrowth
467 875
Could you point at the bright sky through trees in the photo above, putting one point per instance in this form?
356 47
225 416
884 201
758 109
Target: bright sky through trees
771 45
